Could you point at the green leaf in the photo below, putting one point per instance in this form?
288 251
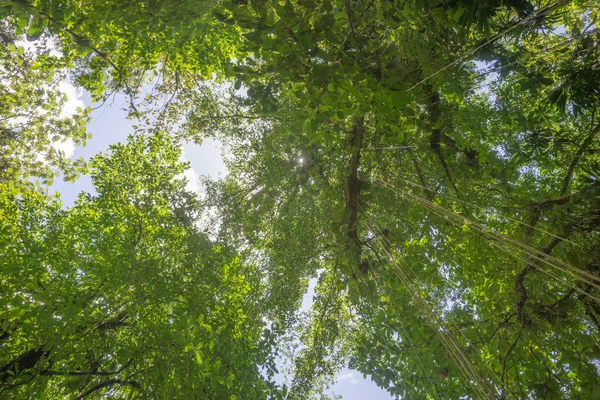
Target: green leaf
458 13
35 29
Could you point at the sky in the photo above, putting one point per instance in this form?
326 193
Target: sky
108 125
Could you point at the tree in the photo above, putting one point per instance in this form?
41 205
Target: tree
438 201
122 295
432 164
31 118
117 45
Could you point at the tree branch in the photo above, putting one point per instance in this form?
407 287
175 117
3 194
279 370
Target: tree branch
107 383
25 361
437 137
584 145
520 285
85 373
562 299
353 186
501 324
426 190
507 354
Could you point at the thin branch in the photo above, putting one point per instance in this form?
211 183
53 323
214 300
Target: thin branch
107 383
251 117
85 373
426 190
586 143
438 137
501 324
562 299
507 354
520 285
353 185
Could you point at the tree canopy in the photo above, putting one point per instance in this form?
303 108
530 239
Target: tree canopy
122 294
430 166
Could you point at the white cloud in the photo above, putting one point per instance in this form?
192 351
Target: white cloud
68 147
347 377
74 99
193 178
28 46
73 102
47 43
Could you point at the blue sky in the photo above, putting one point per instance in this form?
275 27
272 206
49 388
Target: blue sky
109 125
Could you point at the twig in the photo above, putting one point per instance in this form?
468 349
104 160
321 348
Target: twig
104 384
508 353
578 155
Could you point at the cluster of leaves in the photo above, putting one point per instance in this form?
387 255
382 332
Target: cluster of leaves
432 164
118 45
122 294
450 143
31 118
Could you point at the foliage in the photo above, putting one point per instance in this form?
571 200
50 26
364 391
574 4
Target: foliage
116 45
433 165
31 119
121 295
438 192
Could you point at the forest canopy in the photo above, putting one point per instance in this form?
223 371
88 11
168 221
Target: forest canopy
429 168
